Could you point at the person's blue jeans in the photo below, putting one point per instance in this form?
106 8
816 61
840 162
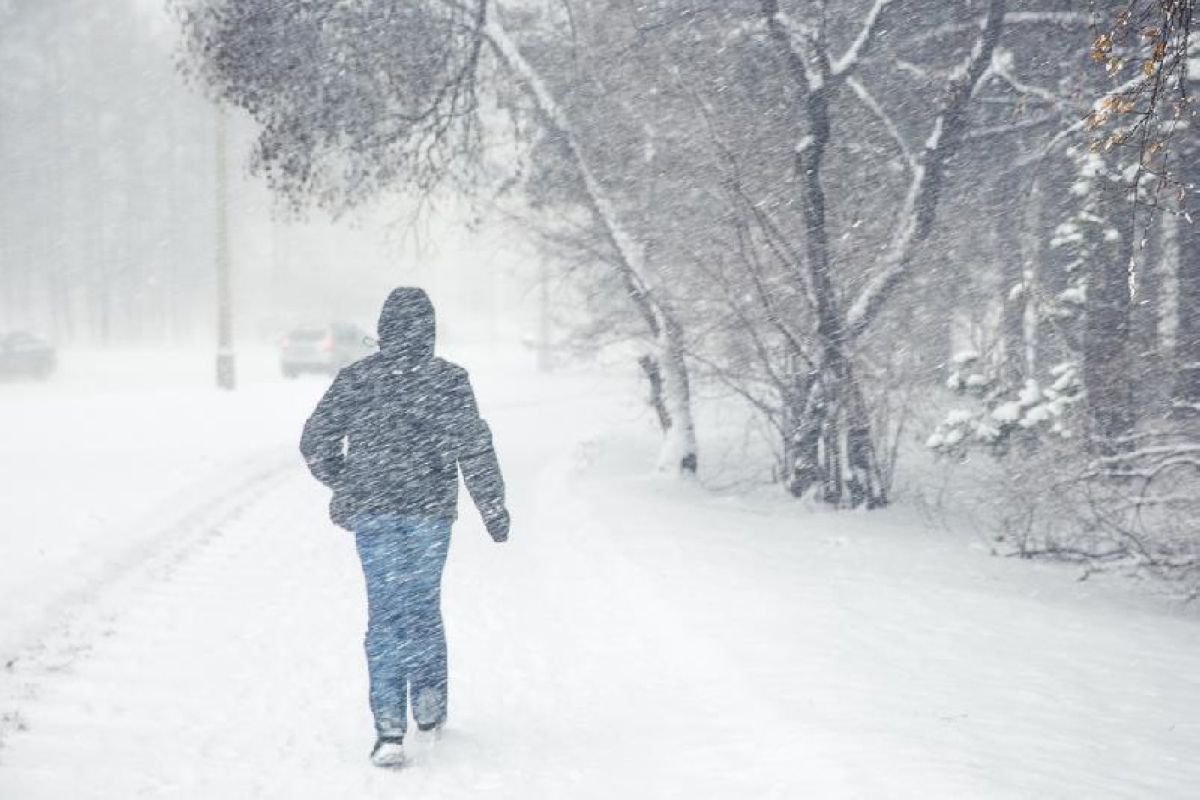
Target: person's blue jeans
402 559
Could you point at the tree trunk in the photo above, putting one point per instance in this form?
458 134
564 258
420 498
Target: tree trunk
1148 367
1012 275
1186 390
1106 334
1052 273
864 482
1168 281
658 402
679 450
805 420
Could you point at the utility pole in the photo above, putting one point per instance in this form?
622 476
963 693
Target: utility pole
226 372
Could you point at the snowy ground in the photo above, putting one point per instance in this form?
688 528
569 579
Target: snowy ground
181 621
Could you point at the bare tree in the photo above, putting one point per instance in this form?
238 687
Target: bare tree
835 406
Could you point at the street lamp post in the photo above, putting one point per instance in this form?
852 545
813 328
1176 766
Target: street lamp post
226 372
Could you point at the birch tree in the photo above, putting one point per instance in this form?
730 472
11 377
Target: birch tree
666 367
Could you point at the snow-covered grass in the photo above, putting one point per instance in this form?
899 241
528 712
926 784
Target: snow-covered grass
911 663
638 637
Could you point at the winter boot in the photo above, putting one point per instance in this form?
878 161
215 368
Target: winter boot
430 711
388 752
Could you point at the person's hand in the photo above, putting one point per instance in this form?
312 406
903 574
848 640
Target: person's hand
497 525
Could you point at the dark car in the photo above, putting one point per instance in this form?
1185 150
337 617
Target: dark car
23 355
323 349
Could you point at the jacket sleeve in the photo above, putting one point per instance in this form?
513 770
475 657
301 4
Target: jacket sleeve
321 444
477 457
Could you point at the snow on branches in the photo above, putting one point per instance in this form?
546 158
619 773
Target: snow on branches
1007 418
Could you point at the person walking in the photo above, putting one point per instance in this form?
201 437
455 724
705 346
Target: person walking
389 438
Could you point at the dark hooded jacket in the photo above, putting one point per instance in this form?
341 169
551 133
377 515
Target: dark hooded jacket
391 433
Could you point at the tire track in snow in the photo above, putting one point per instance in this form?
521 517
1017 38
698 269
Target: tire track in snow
231 672
72 622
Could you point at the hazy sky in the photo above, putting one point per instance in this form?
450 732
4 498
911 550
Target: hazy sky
291 272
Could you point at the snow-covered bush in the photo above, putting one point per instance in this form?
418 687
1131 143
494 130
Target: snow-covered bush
1004 419
1049 492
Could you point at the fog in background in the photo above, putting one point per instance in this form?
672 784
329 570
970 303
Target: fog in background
108 225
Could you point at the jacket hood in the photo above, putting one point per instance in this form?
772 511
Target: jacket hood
407 327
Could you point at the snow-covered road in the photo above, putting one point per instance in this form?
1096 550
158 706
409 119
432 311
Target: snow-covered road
636 638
